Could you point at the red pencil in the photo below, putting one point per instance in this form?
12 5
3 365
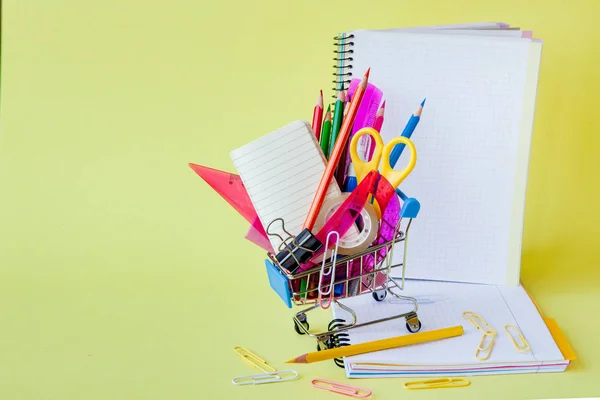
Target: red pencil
379 118
318 116
334 157
377 126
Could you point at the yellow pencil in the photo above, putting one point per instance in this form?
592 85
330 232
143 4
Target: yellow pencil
377 345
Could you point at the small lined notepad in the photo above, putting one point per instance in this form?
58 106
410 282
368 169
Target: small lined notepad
281 172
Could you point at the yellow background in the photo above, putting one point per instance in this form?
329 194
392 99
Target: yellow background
124 276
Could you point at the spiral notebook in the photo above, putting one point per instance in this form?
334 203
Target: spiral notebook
441 305
473 140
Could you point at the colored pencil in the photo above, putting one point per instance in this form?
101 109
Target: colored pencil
318 115
336 123
379 117
377 345
347 101
412 123
342 168
334 157
326 132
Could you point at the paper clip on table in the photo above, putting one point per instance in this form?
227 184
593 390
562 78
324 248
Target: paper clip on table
310 288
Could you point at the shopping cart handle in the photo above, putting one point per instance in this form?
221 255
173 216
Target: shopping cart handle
410 206
279 283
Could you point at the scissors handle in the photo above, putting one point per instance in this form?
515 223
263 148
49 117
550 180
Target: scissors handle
395 177
362 167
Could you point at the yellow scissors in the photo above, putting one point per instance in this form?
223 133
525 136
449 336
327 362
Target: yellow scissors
362 168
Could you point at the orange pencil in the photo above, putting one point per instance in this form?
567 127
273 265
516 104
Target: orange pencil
318 116
334 157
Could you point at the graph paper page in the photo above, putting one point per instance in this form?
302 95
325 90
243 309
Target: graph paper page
467 145
441 305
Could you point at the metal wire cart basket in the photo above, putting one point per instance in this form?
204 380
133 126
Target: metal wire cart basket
344 277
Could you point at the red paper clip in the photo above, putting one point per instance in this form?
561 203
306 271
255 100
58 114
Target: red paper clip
341 388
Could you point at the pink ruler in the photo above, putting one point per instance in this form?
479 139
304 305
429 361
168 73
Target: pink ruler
231 188
367 113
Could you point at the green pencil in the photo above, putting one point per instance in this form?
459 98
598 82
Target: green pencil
303 286
338 116
326 132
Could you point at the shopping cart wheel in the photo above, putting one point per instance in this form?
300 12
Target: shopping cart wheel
413 327
380 295
300 331
302 318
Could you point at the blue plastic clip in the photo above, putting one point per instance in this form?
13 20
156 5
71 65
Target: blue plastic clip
279 283
410 206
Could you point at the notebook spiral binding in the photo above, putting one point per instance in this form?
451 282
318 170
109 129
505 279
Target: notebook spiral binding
337 339
343 59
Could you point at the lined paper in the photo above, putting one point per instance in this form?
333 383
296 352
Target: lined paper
441 305
281 172
472 150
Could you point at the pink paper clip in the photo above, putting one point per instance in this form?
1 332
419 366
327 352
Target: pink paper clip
341 389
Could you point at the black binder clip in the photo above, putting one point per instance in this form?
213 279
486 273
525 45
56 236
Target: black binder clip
294 250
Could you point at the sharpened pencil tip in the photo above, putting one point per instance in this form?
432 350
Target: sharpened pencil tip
368 71
320 100
383 104
423 102
298 360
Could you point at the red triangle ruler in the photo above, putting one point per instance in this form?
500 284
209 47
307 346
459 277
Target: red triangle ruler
231 188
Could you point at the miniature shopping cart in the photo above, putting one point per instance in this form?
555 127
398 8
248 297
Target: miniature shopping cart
344 277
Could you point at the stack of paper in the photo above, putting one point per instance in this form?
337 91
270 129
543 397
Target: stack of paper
441 305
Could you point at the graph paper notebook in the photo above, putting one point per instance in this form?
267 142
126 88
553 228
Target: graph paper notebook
473 140
441 305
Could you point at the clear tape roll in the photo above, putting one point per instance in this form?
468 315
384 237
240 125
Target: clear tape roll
355 240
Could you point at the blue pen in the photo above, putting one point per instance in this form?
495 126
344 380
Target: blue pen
408 131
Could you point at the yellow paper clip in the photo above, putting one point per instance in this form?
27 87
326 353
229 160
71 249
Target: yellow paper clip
489 335
524 346
253 359
478 322
341 388
442 383
487 350
269 377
